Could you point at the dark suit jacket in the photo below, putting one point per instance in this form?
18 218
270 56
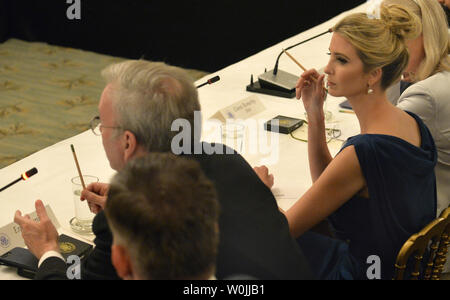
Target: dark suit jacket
254 235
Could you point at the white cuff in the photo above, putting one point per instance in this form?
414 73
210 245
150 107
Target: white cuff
50 254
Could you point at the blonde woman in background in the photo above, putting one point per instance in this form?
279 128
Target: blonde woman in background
428 78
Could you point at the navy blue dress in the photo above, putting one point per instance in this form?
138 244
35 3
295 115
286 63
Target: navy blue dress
402 189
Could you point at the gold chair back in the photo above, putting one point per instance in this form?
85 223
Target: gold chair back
435 238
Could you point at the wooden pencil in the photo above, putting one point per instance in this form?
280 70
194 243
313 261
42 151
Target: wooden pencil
78 166
302 67
294 60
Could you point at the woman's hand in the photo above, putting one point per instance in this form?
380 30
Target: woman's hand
311 90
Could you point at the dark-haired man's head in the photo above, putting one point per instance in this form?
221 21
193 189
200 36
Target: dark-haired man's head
163 213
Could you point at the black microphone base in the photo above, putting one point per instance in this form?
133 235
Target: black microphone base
281 85
256 88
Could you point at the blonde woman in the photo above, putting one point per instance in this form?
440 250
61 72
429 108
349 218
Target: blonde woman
426 85
380 188
428 74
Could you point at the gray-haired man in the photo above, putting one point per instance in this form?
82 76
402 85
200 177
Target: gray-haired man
137 108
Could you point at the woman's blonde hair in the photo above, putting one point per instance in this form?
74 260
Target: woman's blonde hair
380 43
435 35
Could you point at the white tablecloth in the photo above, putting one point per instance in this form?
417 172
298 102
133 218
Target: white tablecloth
292 178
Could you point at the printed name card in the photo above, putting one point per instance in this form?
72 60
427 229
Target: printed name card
11 234
241 110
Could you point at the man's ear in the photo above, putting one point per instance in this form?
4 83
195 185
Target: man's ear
121 261
130 145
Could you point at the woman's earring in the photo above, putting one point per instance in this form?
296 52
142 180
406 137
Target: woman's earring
369 90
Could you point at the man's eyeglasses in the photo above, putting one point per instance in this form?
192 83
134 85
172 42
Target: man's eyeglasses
96 126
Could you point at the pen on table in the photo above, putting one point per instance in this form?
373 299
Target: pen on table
78 166
346 111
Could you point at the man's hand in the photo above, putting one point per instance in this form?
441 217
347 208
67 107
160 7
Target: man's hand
39 237
263 174
96 194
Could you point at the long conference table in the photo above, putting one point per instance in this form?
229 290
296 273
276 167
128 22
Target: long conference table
287 160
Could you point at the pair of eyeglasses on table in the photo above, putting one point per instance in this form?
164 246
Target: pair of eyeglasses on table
332 134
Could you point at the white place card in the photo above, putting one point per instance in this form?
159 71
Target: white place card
240 110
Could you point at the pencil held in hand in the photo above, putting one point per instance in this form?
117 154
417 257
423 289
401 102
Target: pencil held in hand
78 166
302 67
294 60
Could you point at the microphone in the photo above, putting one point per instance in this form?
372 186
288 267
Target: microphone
275 69
210 81
25 176
277 82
